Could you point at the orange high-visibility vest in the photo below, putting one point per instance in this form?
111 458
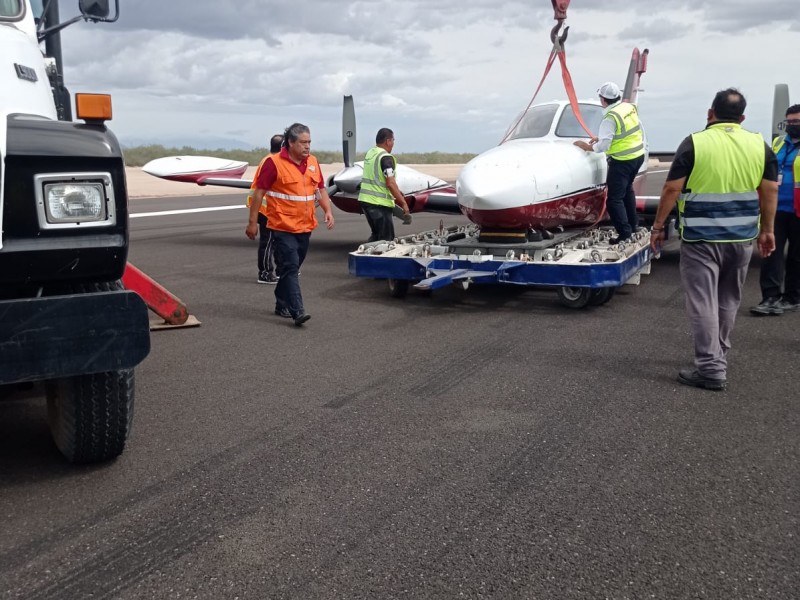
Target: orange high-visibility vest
263 208
291 199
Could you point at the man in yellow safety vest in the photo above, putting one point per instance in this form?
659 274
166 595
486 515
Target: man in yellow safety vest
379 192
724 181
621 137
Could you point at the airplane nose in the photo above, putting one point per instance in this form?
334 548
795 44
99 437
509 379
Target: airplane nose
486 183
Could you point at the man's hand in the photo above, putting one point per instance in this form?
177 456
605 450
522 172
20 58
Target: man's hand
583 145
329 219
766 244
252 230
656 241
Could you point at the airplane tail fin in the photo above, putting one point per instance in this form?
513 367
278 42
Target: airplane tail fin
780 103
348 131
637 68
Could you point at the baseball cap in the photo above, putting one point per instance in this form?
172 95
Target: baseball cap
609 90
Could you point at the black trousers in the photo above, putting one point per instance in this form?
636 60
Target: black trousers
780 271
621 201
380 221
290 250
266 249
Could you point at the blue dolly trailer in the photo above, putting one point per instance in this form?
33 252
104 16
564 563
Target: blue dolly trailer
584 266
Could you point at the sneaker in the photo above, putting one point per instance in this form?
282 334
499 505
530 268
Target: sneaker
788 305
693 378
283 312
768 306
301 318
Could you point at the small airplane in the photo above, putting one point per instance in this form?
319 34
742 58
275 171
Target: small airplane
535 181
343 187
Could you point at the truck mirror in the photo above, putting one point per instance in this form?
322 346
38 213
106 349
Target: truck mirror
95 9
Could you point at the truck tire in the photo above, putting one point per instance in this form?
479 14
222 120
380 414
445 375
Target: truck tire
90 416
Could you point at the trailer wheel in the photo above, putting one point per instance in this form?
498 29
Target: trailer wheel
574 297
398 288
601 295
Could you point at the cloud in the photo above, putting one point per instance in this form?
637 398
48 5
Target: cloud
463 69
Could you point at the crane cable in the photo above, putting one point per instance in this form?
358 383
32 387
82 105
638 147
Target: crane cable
560 15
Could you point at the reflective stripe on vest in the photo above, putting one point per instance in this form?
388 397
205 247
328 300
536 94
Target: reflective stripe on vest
777 144
721 201
291 199
373 183
263 208
628 140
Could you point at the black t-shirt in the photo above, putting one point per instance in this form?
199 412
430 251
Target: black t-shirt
387 165
683 163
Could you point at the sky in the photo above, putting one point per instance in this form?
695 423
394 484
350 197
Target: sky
445 75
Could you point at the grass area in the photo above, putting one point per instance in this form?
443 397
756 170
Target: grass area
138 156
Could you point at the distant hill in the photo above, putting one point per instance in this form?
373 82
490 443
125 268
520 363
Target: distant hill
217 143
137 156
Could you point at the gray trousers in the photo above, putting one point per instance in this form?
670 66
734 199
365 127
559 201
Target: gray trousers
713 276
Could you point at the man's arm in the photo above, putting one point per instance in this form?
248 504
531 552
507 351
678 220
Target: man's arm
265 177
768 203
666 204
252 221
325 205
399 199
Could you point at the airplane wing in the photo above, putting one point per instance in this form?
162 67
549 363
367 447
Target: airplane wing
202 170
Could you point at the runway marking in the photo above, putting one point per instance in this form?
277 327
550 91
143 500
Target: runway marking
185 211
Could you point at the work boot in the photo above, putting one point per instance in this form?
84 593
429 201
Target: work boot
693 378
768 306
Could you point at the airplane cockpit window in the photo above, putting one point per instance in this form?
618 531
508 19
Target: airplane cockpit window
568 125
536 122
10 9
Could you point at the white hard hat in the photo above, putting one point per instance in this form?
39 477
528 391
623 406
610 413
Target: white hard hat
609 90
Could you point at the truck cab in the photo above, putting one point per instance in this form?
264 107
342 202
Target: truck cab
65 320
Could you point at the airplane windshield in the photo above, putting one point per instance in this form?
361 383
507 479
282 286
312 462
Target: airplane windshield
568 125
536 122
10 9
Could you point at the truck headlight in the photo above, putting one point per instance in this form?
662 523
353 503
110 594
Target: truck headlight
71 202
75 200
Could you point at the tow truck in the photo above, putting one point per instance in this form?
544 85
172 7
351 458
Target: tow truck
65 319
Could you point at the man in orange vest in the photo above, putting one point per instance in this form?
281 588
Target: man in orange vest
266 250
292 183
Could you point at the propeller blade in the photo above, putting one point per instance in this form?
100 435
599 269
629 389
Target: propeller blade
779 105
348 131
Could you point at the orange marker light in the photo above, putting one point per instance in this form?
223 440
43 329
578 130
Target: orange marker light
93 107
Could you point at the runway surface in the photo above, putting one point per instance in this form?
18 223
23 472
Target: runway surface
485 443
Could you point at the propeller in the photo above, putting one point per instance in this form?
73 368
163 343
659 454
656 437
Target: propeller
779 105
348 131
348 142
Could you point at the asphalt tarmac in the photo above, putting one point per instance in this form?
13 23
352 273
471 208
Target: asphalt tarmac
480 443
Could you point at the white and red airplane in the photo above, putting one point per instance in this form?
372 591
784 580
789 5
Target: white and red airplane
537 179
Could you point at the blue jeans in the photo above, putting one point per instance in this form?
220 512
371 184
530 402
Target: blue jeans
290 252
621 202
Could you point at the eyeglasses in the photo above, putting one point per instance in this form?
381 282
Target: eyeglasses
786 122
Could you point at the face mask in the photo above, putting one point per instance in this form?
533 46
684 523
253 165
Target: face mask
793 131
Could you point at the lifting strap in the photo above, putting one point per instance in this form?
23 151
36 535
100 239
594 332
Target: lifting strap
560 15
